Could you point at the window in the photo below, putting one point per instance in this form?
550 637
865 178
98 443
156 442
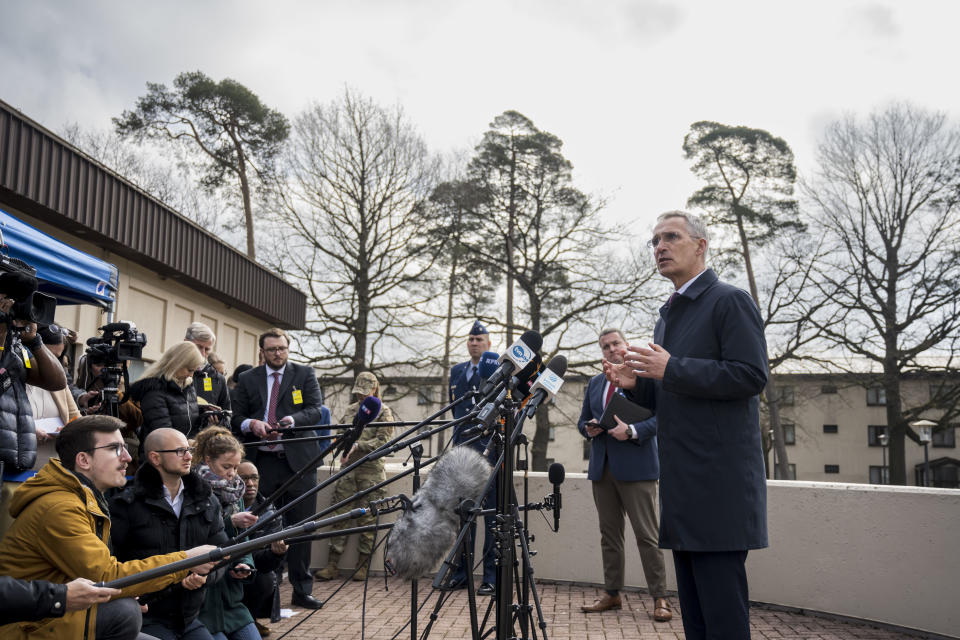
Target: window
945 437
785 396
941 393
879 475
586 449
873 434
789 432
552 433
876 397
946 476
831 428
423 396
831 468
828 389
791 469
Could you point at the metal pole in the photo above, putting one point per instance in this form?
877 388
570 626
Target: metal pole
926 466
883 469
416 450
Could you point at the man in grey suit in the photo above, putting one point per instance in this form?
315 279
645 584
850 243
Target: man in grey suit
708 363
268 400
624 471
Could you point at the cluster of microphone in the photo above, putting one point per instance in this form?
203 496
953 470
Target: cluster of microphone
428 528
423 534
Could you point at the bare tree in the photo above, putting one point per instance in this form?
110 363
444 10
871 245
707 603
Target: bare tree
351 231
169 179
541 236
887 192
750 177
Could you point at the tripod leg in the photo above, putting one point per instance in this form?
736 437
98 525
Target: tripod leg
529 582
466 558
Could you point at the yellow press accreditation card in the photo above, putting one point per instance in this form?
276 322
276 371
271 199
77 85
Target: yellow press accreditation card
207 383
297 396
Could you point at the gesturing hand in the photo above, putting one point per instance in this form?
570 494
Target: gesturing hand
647 363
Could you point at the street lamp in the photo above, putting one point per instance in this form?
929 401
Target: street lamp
884 441
773 449
924 430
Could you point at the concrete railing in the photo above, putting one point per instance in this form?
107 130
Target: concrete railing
887 554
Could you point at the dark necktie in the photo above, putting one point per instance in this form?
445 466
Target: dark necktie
474 377
274 398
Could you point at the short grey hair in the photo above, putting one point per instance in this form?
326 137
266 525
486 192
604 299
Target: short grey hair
695 226
608 331
199 332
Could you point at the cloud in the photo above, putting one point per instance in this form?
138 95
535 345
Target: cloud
652 19
874 20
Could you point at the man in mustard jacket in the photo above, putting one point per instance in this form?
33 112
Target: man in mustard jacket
61 529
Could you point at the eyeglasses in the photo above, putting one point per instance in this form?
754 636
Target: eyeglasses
670 237
180 451
276 349
118 448
249 478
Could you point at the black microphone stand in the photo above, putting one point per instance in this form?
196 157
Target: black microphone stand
315 462
222 553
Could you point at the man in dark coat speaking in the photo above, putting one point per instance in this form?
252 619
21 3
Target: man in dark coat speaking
707 364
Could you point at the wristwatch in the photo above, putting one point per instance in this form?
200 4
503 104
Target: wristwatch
630 432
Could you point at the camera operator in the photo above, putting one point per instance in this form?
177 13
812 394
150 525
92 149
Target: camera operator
51 409
90 381
91 377
23 360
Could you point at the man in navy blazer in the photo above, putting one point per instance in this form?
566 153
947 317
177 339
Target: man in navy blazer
708 362
269 399
464 377
624 471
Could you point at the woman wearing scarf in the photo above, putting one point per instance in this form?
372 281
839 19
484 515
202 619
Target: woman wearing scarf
218 454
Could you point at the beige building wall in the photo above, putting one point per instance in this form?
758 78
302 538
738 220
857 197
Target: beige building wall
848 448
159 306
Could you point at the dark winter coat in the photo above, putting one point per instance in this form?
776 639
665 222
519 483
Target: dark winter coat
22 600
713 491
18 435
218 394
265 559
144 524
165 404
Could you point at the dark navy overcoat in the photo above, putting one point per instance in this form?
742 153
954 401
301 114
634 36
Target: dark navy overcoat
712 484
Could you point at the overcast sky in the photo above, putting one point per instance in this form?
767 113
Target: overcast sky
619 82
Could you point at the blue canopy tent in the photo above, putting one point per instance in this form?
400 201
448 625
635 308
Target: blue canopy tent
69 275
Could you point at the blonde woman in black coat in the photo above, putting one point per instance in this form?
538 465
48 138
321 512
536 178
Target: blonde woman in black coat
165 391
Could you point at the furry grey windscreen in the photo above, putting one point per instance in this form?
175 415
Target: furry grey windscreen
424 534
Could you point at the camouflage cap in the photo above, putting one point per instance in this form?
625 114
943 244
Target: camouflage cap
365 383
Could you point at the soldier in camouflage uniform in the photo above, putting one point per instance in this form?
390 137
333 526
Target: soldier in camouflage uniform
363 477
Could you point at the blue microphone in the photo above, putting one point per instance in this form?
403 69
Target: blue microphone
489 361
369 411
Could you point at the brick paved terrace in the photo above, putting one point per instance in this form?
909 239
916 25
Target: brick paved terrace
388 611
